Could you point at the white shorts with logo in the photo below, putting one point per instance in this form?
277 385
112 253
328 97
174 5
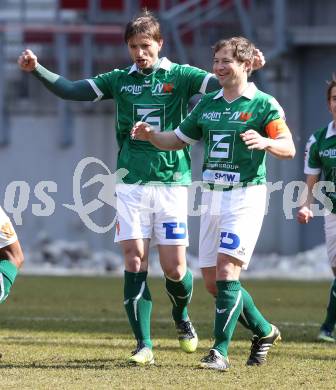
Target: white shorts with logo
7 232
231 224
330 235
155 212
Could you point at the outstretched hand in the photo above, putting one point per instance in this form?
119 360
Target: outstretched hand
141 131
27 61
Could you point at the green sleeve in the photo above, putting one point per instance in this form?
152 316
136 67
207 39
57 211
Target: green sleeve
212 85
195 79
272 111
80 90
190 130
106 84
312 157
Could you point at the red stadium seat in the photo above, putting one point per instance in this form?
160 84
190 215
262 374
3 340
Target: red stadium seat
74 4
115 39
150 4
112 5
35 36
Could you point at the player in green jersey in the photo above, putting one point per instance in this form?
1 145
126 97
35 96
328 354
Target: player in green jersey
11 256
156 90
238 125
320 158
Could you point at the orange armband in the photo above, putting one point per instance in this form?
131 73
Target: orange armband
276 127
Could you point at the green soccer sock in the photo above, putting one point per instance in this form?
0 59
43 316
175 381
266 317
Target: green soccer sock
229 305
8 272
330 320
138 305
242 320
255 320
180 292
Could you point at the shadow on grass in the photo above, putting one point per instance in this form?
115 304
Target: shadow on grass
88 364
93 364
56 343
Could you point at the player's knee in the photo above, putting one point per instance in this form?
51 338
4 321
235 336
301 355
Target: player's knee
175 273
134 262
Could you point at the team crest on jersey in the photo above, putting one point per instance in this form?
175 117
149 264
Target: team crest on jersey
240 117
163 89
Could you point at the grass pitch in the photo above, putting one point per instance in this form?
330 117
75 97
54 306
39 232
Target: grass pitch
72 333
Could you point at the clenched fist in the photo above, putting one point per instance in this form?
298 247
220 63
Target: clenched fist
141 131
27 61
304 215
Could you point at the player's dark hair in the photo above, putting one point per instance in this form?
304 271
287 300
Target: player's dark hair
242 49
331 84
146 24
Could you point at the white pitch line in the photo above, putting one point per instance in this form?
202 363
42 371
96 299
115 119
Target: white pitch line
124 320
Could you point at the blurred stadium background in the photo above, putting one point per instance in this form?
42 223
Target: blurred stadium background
43 138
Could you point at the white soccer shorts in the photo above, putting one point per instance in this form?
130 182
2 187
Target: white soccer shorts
7 232
231 224
330 235
155 212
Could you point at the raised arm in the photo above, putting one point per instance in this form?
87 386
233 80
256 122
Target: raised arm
80 90
165 140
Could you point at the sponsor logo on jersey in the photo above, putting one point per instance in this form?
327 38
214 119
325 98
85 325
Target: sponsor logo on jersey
331 153
221 145
132 89
229 240
239 116
221 177
153 114
162 89
212 116
157 89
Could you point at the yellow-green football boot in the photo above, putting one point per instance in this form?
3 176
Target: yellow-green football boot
187 336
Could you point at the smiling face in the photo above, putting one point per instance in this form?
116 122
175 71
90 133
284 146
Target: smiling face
229 71
332 102
144 50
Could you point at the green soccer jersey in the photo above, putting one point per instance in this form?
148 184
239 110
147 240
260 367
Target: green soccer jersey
321 157
227 160
160 99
